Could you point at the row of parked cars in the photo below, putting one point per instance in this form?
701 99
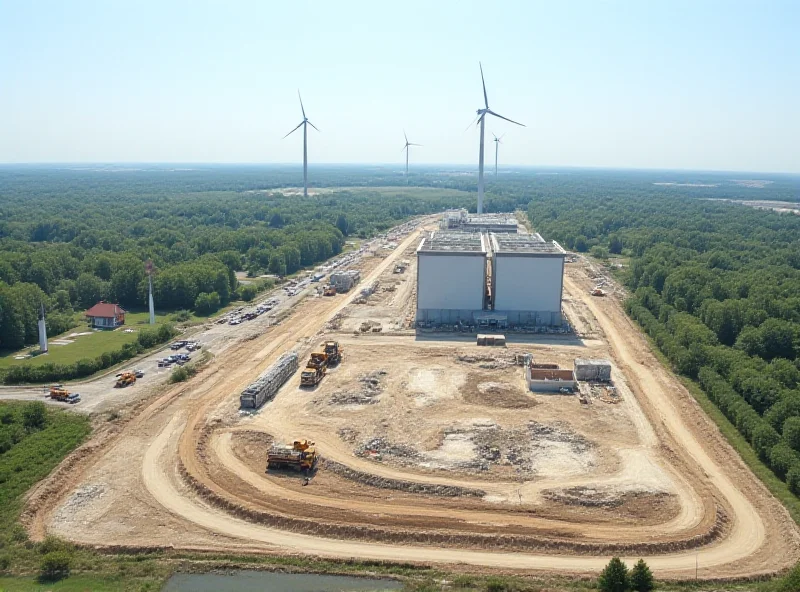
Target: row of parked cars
189 345
177 359
238 316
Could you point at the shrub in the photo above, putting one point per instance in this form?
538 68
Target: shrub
55 565
793 478
181 316
207 302
34 415
791 432
614 578
5 562
247 292
641 577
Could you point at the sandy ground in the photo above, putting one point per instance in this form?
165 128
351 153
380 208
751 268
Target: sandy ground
434 452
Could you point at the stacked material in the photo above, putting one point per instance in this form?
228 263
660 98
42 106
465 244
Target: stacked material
266 385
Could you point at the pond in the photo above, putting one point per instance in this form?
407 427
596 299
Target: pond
262 581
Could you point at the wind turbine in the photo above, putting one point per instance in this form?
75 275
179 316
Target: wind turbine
481 121
407 151
305 123
497 143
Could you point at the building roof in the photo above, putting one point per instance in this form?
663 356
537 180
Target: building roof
529 244
105 309
453 242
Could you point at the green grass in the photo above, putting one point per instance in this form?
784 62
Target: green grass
84 346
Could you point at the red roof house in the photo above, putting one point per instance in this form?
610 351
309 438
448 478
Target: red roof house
105 315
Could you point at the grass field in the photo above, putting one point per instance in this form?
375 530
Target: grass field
84 346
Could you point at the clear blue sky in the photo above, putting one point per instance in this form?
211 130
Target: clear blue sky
646 83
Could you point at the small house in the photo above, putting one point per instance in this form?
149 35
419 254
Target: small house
105 315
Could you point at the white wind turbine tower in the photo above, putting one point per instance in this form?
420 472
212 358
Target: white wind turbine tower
407 151
481 122
305 123
497 142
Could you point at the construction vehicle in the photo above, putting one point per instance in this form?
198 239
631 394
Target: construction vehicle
312 376
334 352
329 291
301 455
58 392
125 379
597 292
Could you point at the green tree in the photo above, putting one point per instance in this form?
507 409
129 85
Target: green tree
34 415
341 224
206 303
55 565
641 578
791 432
247 292
614 578
89 289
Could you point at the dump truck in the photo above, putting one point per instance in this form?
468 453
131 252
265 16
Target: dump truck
58 392
300 455
334 352
125 379
318 360
312 376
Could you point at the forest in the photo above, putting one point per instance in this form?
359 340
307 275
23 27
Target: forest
717 287
71 238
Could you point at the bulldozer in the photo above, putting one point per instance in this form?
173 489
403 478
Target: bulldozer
125 379
58 392
334 352
301 455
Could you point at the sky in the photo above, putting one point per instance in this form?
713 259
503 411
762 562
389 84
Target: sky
702 84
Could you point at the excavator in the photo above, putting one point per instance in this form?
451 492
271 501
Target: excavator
301 455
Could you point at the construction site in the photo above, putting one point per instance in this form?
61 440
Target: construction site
466 402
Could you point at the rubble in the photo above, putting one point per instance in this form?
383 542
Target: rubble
372 385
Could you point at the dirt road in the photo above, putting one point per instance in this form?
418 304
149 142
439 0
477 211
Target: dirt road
743 531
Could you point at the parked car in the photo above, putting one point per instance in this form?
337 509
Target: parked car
138 373
73 398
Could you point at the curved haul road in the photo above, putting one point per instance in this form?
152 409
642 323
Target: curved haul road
746 536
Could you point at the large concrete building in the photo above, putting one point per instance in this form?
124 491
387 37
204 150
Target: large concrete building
451 277
464 221
527 278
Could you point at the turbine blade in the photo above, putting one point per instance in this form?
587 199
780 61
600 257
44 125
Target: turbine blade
506 118
294 130
405 136
474 121
316 128
404 148
485 98
412 144
301 103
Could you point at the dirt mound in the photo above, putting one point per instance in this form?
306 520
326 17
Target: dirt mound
371 387
495 394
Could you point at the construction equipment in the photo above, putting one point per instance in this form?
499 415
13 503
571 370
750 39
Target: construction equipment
268 383
334 352
318 360
597 292
312 376
125 379
58 392
329 291
301 455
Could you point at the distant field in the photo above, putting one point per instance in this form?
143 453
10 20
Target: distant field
402 190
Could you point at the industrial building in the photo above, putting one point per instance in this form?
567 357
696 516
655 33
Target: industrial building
451 277
593 370
464 221
550 380
527 279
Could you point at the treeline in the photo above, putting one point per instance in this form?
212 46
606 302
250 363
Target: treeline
71 238
761 414
31 373
717 286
